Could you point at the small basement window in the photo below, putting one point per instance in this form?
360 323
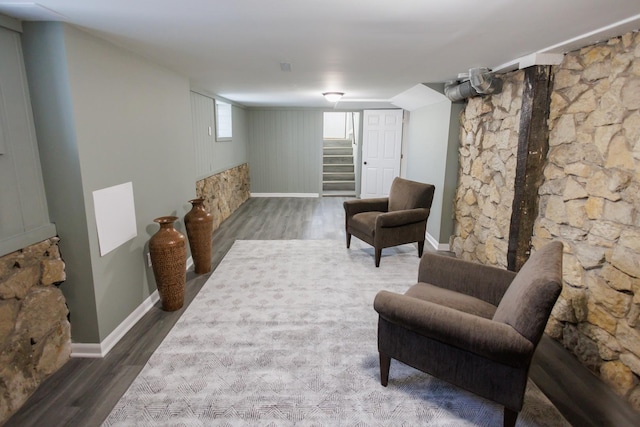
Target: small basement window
224 122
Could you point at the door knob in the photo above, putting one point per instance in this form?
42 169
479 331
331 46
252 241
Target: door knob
365 163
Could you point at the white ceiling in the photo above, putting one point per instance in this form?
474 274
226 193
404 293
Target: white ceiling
372 50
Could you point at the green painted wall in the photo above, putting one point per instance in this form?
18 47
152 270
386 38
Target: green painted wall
211 156
432 157
285 150
106 116
24 216
47 73
451 173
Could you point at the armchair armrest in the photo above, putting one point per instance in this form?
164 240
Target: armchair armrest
481 281
355 206
403 217
493 340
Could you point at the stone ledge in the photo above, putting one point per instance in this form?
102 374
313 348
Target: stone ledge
35 332
224 192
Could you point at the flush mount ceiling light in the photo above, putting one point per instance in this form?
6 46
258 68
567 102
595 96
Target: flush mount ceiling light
333 96
285 67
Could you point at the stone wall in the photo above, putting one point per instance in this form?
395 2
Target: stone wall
590 200
224 192
35 338
488 149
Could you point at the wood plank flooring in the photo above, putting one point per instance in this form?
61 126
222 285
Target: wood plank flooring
84 391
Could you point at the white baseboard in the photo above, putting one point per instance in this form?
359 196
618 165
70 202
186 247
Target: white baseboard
86 350
101 349
437 245
285 195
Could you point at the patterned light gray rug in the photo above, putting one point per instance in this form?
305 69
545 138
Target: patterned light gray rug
283 334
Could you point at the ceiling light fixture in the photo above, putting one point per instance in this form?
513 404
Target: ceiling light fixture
285 67
333 96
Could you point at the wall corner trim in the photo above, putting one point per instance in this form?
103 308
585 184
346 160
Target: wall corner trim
100 350
437 245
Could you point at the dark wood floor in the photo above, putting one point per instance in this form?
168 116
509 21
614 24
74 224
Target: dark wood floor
84 391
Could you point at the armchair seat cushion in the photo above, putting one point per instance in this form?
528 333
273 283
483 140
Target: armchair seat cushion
448 298
365 222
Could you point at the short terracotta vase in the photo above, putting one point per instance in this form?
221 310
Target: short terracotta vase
199 225
168 251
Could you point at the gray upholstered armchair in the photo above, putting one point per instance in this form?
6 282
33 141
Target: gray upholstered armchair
472 325
391 221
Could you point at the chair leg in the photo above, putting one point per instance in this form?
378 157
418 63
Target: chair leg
385 364
378 256
420 248
510 417
348 240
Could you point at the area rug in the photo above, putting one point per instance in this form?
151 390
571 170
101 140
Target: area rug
284 334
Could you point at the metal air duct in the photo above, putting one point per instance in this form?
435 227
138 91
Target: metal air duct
481 82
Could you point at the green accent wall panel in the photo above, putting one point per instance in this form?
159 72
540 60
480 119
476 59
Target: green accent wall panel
432 157
211 156
285 150
24 216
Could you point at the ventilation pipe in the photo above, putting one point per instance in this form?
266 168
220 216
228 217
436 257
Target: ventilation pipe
481 82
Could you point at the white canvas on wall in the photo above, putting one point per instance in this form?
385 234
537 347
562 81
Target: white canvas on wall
115 216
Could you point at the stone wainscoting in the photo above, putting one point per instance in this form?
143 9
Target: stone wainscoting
590 200
35 338
224 192
488 156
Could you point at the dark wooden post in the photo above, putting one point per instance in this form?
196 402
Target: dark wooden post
533 145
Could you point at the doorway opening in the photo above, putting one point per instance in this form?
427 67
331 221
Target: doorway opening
339 153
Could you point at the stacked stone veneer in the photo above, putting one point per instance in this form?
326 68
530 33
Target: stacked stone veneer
35 338
224 192
590 200
488 150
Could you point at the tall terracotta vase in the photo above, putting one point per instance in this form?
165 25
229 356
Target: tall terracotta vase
199 225
168 250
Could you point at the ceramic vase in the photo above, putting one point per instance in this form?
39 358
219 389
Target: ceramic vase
168 250
199 225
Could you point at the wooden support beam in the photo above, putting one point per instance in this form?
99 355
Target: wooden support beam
533 145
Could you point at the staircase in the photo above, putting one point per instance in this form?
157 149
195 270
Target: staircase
338 176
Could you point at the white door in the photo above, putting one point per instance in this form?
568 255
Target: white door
381 150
